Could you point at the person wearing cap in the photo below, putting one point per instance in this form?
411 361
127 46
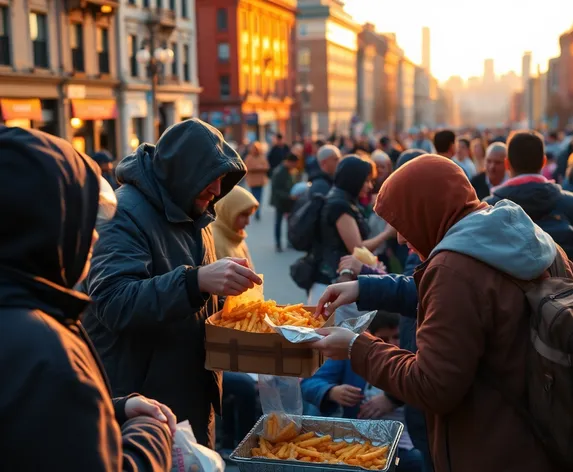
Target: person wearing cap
105 161
56 412
155 278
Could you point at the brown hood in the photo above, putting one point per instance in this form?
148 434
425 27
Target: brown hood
424 198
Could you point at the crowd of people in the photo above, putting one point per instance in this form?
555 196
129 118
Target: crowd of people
105 293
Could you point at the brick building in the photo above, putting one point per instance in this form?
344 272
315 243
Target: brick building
246 66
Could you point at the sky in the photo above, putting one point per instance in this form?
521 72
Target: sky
463 33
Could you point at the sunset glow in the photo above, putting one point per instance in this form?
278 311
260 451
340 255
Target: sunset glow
463 34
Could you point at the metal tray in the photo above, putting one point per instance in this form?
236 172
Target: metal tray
379 432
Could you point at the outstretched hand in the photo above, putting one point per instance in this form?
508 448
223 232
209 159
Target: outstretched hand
335 296
336 342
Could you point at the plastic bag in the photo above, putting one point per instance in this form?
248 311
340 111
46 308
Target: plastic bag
254 294
281 398
188 456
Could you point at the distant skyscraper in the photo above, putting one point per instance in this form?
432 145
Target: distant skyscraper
488 72
426 48
525 69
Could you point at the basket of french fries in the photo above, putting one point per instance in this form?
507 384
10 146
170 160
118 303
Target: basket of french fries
241 338
276 445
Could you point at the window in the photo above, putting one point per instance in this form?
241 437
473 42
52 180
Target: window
172 5
304 58
77 44
175 63
4 37
225 86
186 71
145 3
103 50
223 52
132 50
159 3
222 20
131 2
39 37
184 9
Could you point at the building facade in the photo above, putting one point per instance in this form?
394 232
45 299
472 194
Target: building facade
566 76
155 94
388 115
370 77
425 98
406 94
58 70
327 74
246 66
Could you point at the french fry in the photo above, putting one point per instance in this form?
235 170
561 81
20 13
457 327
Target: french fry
310 447
250 317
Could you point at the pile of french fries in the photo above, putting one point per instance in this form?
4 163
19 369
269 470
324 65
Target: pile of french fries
250 317
286 444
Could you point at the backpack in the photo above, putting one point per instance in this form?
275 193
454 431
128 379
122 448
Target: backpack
304 224
549 407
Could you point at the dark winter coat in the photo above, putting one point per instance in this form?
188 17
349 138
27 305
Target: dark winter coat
148 318
56 413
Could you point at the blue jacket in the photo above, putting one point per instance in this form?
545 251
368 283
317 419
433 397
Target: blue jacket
332 373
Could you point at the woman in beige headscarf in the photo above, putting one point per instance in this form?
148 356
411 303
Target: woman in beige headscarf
234 212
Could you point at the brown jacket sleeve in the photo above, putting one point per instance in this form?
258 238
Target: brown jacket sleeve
451 340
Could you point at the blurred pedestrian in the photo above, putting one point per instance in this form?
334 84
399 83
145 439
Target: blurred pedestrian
283 179
257 173
478 153
494 173
463 158
278 153
105 161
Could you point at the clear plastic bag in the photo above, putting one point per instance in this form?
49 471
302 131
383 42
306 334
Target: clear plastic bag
281 398
189 456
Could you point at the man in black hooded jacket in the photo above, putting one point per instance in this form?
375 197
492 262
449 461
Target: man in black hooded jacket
154 278
546 203
56 413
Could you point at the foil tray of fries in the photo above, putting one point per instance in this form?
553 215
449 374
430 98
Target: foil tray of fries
381 434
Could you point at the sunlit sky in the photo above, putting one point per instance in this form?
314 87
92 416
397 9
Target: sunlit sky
464 32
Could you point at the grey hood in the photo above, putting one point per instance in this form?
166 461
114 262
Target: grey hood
504 237
187 158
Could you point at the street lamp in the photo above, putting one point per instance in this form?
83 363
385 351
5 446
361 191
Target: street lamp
155 63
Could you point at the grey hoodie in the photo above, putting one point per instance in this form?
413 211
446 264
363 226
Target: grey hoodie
504 237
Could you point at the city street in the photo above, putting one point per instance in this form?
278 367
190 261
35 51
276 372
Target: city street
274 266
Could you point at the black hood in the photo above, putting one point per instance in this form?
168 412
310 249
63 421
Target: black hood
538 199
187 158
351 174
49 196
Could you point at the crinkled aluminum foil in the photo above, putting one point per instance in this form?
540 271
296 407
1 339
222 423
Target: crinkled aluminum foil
302 334
379 432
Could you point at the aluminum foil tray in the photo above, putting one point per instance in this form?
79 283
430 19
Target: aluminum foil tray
379 432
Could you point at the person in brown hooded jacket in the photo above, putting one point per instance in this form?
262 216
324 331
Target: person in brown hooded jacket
473 322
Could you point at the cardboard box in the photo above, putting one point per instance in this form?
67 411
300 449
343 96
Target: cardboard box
258 353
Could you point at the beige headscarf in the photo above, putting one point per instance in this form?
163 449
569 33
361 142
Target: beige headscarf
228 242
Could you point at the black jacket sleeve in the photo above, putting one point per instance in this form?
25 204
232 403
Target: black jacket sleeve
121 284
70 425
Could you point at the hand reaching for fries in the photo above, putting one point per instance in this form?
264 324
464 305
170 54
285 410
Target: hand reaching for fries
250 317
308 447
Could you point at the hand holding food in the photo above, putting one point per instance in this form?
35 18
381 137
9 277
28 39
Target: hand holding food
364 256
228 276
309 447
337 295
336 342
250 317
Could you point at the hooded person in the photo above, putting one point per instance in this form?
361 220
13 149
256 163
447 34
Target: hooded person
56 412
473 319
155 279
233 215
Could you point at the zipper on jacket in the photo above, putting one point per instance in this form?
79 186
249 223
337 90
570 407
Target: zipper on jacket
561 295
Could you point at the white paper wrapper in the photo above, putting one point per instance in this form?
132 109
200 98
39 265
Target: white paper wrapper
302 334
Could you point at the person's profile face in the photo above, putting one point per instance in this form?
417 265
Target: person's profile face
207 195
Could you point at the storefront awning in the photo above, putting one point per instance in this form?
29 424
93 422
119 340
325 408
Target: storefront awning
94 109
15 109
